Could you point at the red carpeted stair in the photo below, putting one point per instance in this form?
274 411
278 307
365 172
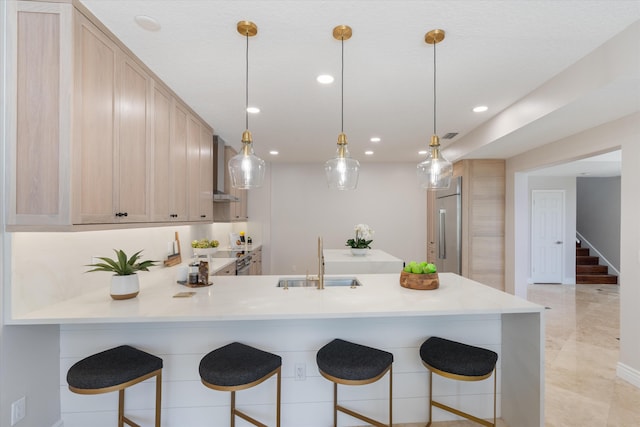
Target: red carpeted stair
588 271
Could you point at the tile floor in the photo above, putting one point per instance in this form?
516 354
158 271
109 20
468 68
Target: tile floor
581 352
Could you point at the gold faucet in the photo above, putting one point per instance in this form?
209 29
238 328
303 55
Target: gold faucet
320 264
320 277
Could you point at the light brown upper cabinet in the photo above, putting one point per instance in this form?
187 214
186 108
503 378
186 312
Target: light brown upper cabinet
170 159
97 138
200 172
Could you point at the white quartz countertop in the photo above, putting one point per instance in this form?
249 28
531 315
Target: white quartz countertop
258 298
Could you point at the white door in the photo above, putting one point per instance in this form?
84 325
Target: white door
547 231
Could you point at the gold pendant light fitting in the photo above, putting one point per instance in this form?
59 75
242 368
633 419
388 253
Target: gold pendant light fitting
342 32
434 36
247 28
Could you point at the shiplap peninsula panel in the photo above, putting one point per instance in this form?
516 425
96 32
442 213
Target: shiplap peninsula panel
305 403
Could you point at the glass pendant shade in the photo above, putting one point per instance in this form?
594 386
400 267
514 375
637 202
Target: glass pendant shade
245 168
342 171
435 171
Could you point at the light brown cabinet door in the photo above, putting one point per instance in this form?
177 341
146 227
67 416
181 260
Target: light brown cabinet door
178 163
96 103
133 143
37 160
193 167
161 156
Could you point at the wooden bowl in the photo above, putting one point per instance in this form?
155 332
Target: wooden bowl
423 282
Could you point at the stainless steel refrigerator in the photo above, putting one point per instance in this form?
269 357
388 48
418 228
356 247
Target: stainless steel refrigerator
449 227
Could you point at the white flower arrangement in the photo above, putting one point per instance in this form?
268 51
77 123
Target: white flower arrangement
364 235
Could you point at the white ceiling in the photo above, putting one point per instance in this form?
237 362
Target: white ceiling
495 53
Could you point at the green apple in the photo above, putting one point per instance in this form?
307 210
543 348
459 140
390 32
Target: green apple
407 268
416 269
430 268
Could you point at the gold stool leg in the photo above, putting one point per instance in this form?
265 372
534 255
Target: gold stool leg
158 398
391 396
233 409
430 398
121 408
278 400
495 388
335 404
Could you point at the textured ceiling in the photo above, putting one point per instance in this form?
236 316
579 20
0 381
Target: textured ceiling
495 53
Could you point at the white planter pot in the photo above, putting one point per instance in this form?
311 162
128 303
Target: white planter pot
359 251
124 287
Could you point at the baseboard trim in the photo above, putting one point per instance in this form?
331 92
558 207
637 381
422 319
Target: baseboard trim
628 374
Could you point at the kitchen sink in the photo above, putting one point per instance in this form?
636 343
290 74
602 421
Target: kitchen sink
303 282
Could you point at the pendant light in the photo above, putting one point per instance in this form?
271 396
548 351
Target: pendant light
435 172
342 170
245 168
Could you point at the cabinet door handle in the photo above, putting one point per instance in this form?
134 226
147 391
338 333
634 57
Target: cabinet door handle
203 216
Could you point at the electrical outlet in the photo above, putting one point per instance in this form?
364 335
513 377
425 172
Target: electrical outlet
18 410
301 372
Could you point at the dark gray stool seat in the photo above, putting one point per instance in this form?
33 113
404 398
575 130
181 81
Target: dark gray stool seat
116 369
458 358
344 362
461 362
236 367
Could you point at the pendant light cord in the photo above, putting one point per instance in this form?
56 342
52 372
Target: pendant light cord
434 88
342 89
246 86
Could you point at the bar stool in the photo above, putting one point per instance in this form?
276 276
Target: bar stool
460 362
343 362
116 369
238 367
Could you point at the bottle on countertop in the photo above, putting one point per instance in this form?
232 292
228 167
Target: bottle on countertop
249 241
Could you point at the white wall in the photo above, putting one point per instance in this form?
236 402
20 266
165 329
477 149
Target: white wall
302 208
629 366
568 185
625 134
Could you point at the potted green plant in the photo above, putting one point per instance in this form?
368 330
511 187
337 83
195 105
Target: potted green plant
124 282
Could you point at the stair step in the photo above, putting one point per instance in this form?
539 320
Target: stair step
592 269
582 251
587 260
595 279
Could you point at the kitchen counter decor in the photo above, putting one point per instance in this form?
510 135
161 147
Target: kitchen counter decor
204 247
124 283
421 276
362 242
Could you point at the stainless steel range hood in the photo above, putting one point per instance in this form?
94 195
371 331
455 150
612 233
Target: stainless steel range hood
219 194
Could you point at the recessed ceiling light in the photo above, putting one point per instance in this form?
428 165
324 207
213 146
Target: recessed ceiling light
273 152
422 152
148 23
369 153
325 79
253 110
375 139
480 109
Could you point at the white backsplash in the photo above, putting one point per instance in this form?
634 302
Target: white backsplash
50 267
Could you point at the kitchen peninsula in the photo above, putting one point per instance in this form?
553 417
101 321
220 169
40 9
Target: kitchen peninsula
295 323
374 261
